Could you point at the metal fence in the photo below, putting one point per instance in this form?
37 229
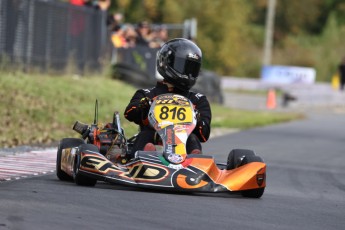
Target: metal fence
50 35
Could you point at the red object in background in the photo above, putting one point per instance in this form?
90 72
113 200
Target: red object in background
271 99
77 2
77 23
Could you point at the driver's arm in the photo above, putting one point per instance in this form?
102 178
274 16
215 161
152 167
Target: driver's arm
203 127
133 112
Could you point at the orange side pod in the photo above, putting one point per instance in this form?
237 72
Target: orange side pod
249 176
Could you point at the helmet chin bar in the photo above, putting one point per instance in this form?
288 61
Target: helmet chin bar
180 81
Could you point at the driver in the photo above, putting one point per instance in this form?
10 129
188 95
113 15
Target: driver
178 62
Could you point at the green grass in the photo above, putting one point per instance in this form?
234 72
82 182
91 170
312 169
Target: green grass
243 119
42 109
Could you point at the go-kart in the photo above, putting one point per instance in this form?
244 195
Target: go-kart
100 154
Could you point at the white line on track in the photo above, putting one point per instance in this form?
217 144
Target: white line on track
26 164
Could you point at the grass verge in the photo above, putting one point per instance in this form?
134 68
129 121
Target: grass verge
37 109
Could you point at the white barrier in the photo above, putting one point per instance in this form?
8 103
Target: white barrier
287 75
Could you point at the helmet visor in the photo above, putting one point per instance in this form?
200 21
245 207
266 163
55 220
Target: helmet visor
186 67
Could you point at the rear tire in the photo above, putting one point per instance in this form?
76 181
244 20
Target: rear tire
237 156
253 193
80 179
65 143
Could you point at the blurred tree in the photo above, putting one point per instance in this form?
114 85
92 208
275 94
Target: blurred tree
300 17
296 17
138 10
222 29
231 33
151 7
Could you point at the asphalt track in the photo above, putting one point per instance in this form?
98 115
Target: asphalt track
305 189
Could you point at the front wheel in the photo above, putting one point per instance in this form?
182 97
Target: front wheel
240 157
78 176
64 144
253 193
237 156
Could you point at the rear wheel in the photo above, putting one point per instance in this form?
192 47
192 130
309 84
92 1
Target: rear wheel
65 143
78 177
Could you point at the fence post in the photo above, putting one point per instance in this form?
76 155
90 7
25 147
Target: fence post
2 26
49 25
29 41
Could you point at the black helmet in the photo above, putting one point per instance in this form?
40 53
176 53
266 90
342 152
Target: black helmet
179 62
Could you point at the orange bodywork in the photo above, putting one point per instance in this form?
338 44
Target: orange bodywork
198 174
241 178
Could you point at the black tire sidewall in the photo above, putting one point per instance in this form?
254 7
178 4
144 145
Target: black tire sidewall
235 157
78 178
65 143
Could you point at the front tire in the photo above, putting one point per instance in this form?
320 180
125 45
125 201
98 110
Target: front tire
65 143
240 157
253 193
78 177
237 156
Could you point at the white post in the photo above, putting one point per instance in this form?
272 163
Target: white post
193 28
269 32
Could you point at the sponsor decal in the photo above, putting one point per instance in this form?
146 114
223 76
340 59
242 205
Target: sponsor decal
260 177
175 158
192 178
169 148
164 101
147 172
193 56
176 167
165 124
198 95
94 163
67 157
172 100
65 154
181 128
138 171
169 133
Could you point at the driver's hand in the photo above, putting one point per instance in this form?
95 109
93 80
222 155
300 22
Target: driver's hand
144 104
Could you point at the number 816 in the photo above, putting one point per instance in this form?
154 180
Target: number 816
175 113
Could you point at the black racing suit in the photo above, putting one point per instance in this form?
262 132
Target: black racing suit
201 132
